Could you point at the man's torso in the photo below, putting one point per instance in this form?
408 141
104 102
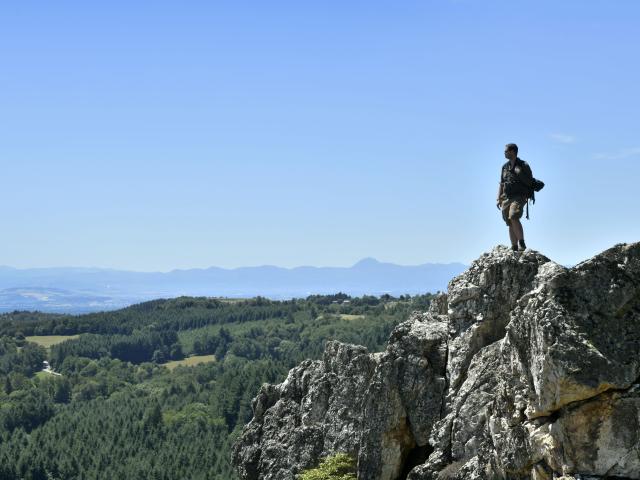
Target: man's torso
514 178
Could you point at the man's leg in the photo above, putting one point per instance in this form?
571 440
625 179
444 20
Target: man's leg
512 234
506 213
515 212
518 232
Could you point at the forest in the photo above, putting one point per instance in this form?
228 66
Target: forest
115 410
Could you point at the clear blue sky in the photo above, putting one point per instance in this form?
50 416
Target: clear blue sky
159 135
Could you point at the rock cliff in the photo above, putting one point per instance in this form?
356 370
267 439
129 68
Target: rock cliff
524 370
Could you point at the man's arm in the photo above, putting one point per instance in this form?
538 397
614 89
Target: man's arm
500 187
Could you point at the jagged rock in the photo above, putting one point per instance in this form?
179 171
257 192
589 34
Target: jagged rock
524 370
405 397
316 411
577 334
600 436
480 303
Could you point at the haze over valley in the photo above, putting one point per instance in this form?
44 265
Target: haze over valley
79 290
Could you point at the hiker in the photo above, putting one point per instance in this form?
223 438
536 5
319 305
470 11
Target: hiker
514 191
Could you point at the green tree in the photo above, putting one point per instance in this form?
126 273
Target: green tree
152 417
62 391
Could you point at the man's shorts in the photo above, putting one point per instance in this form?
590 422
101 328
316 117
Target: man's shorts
512 208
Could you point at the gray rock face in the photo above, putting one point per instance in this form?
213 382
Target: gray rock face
315 412
523 370
404 398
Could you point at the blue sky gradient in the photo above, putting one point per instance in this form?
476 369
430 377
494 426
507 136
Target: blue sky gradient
161 135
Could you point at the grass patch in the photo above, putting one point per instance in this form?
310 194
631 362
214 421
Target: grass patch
346 316
190 361
48 340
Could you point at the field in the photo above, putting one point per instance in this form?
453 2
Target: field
42 374
231 300
346 316
190 361
48 340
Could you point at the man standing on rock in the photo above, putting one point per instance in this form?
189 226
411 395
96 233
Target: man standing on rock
514 190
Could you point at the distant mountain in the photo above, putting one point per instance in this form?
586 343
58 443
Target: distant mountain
90 289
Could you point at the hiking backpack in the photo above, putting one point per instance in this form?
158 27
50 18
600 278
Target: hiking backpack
536 186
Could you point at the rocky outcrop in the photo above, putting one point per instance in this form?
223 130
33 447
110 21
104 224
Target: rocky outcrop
316 411
523 370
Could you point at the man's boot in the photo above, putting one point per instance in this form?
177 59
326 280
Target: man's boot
514 247
521 246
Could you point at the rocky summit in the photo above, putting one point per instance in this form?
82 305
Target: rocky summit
525 369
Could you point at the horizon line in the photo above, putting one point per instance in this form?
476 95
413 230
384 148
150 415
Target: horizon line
371 260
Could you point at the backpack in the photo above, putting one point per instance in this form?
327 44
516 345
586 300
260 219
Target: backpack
535 186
